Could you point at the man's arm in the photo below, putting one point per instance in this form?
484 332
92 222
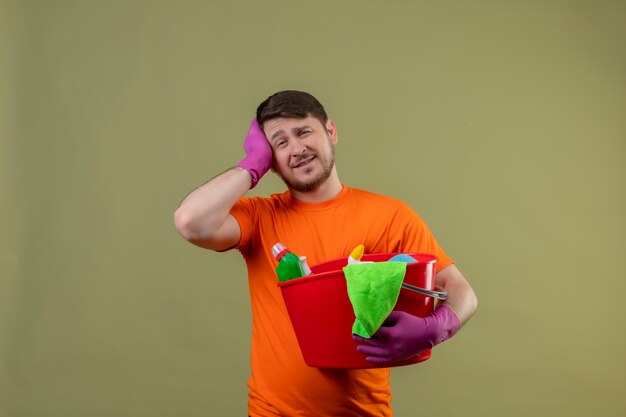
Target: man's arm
203 217
461 297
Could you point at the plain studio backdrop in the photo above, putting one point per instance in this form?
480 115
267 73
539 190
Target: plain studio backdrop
501 123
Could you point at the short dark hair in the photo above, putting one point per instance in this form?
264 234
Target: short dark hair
291 103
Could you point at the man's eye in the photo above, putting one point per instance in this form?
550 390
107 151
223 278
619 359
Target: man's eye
281 143
304 132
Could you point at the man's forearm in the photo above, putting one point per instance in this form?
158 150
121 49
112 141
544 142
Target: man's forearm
205 209
461 296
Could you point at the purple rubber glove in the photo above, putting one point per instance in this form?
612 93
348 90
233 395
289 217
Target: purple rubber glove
403 335
258 158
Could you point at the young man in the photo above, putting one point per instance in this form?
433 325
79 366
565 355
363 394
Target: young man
321 218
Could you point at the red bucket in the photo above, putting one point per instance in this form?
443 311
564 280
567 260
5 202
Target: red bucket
322 315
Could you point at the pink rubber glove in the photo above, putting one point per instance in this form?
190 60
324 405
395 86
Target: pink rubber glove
403 335
258 158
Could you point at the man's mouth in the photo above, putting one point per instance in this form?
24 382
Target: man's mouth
303 162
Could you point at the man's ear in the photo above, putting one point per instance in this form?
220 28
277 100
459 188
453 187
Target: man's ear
332 131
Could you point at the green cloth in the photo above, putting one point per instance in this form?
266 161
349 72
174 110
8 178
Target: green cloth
373 289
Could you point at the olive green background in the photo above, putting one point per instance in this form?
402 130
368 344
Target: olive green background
502 123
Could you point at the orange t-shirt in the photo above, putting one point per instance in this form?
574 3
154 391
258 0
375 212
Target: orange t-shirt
281 383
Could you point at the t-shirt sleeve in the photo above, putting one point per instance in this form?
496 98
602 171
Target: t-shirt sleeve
243 211
416 237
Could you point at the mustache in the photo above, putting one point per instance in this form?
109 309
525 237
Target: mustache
302 158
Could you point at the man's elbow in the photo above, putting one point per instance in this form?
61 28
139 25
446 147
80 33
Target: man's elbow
198 234
185 226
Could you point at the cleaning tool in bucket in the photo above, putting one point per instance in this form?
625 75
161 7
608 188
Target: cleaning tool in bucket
373 289
305 267
290 265
403 257
356 255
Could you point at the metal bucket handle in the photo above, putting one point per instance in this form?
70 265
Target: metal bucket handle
439 295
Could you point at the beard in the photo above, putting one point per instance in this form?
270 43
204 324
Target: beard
314 183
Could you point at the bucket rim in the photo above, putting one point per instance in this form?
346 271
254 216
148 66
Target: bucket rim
425 258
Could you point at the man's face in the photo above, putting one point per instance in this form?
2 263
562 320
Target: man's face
304 154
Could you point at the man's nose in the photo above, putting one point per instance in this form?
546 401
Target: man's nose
297 148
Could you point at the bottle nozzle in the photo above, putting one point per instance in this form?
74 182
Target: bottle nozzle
279 250
356 255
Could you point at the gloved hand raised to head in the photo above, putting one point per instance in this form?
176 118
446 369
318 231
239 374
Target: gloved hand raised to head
258 158
403 335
